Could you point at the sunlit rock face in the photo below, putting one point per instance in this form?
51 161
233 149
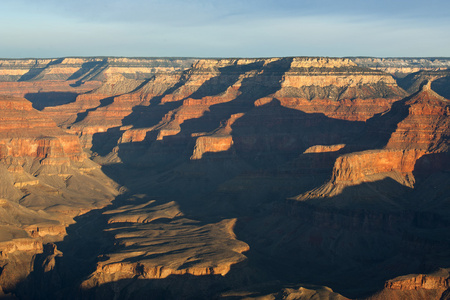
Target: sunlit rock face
403 66
296 178
46 180
168 102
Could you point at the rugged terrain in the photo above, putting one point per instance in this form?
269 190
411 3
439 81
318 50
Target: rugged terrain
290 178
46 181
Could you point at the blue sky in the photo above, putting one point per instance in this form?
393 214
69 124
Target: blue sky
224 28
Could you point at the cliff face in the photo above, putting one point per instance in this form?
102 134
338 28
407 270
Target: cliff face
342 91
99 68
85 69
423 130
25 132
403 66
416 286
207 152
164 104
41 169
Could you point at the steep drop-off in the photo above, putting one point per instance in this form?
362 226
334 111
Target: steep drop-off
210 154
46 180
403 66
424 130
219 92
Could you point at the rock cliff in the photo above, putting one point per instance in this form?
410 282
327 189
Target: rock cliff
85 69
403 66
166 103
416 286
407 143
42 169
209 154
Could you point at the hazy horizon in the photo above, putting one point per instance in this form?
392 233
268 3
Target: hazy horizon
216 29
225 57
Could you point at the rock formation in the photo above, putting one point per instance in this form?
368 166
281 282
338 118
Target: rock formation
191 248
403 66
416 286
210 154
85 69
406 145
42 170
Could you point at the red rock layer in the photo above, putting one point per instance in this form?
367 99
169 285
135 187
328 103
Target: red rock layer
427 126
343 109
206 144
45 170
416 286
351 93
25 132
423 132
334 87
114 85
356 167
421 281
338 89
22 88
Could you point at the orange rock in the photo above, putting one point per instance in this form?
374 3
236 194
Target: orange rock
206 144
421 281
355 167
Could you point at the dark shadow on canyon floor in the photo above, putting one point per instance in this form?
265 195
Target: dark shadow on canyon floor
42 100
352 242
104 102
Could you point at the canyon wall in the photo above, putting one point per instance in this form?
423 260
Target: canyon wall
403 66
42 169
86 69
239 177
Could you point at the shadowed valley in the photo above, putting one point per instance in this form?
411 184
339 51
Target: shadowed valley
277 178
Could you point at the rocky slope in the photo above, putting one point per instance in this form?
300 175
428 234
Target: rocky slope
42 170
164 104
210 157
417 286
400 157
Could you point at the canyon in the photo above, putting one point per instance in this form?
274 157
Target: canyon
227 178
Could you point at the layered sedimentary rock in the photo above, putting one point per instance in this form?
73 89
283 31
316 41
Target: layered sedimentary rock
427 125
219 144
88 102
156 242
416 286
439 81
423 130
338 89
47 93
28 133
162 105
403 66
42 170
84 69
300 292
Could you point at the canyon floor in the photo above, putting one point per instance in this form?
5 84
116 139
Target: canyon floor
275 178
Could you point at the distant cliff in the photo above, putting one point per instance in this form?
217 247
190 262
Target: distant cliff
294 177
98 68
403 66
89 68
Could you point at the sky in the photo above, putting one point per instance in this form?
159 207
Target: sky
224 28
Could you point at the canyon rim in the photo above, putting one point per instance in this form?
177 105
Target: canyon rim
228 178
